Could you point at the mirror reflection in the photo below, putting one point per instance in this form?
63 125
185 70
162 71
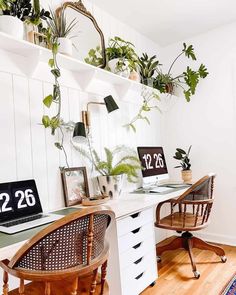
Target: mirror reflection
86 34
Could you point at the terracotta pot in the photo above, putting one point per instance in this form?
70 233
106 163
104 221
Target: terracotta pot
186 175
110 185
134 76
169 88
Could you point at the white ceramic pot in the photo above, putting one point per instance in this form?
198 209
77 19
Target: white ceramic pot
120 67
65 46
110 185
12 25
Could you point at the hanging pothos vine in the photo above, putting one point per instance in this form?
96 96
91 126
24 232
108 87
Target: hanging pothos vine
55 122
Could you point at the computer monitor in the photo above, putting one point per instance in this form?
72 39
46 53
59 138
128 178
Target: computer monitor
154 165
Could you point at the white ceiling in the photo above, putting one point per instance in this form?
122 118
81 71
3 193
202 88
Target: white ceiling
169 21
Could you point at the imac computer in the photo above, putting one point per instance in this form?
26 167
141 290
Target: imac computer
154 166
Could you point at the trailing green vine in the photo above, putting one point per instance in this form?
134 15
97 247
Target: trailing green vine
150 99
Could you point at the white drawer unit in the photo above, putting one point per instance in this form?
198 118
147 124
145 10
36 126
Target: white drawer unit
136 253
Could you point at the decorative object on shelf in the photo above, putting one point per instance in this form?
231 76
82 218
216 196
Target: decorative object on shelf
121 56
150 100
166 83
110 179
75 185
147 68
183 157
109 103
61 30
89 33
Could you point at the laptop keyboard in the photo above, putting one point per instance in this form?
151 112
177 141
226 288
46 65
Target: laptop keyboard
23 220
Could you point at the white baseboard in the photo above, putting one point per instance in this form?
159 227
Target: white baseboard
217 238
210 237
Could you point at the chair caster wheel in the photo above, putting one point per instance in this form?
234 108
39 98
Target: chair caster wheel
158 259
196 274
223 258
153 284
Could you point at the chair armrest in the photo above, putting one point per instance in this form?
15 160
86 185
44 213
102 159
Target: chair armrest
158 208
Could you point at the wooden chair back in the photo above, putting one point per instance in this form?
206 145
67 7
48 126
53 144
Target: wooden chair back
192 209
73 242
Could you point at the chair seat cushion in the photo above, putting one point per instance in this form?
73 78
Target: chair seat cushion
180 221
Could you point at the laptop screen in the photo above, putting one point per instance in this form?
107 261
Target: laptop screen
153 161
18 199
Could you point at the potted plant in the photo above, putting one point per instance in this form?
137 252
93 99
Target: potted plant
95 57
121 56
183 157
60 30
147 68
14 13
187 81
118 162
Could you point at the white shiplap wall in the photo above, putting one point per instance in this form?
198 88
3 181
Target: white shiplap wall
27 150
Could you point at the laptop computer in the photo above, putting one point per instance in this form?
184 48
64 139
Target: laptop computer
20 207
155 173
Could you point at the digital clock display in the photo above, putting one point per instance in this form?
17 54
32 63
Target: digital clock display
18 199
152 160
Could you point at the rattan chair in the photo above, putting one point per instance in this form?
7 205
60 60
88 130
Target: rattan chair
189 212
71 247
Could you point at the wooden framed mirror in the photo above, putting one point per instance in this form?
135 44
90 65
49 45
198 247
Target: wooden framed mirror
87 34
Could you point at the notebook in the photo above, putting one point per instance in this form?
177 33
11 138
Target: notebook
20 207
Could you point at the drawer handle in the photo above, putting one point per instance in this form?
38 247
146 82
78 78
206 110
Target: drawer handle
139 276
137 246
138 261
136 230
135 215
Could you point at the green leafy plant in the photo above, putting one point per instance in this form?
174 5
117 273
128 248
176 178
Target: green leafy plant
150 100
37 15
147 67
120 160
5 4
58 26
188 80
124 50
95 57
183 157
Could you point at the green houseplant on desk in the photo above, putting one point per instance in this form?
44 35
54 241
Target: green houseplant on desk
118 162
183 157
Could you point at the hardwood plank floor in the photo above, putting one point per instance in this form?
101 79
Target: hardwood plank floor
176 277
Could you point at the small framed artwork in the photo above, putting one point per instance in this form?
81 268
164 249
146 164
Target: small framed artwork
75 185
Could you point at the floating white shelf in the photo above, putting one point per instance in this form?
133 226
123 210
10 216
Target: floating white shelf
35 54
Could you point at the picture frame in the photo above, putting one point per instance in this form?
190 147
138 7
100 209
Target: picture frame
75 185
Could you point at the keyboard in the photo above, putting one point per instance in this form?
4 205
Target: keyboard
160 189
23 220
27 222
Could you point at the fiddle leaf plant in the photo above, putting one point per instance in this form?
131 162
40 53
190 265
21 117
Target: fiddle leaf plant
183 157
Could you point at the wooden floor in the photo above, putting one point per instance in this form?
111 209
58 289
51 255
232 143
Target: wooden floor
176 277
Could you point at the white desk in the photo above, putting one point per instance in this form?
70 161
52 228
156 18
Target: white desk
132 260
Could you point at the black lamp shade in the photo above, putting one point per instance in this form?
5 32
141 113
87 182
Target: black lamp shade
79 134
110 104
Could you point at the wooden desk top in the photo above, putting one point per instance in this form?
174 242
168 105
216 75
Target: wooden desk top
127 204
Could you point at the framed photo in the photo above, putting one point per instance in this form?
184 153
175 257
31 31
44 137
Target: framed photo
75 185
